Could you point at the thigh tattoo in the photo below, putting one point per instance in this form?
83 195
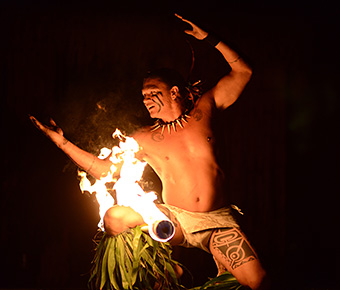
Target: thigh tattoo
233 246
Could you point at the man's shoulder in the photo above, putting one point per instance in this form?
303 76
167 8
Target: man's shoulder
206 101
140 134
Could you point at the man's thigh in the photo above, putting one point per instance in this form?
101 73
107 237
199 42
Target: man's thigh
231 248
231 245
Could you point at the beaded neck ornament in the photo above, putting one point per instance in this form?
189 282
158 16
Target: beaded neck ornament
172 124
194 92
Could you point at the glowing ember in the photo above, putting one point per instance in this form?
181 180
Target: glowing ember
128 191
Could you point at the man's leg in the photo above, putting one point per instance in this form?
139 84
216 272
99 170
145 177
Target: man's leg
120 218
220 267
231 248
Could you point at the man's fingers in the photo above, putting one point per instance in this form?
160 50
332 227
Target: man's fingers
36 123
179 16
46 129
53 123
185 20
195 31
56 127
190 32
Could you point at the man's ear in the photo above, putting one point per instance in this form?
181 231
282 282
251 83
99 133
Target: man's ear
174 92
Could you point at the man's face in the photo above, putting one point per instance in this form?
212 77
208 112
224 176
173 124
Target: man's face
156 97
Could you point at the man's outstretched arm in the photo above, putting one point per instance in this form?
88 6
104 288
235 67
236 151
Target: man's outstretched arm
229 87
85 160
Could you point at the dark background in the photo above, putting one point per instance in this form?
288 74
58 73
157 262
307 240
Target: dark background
82 63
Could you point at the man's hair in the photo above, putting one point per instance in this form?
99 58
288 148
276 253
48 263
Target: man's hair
170 77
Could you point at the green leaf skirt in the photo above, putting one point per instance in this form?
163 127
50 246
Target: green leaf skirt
133 260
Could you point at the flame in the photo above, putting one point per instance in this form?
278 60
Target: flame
128 191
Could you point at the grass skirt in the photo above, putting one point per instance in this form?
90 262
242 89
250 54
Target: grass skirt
133 260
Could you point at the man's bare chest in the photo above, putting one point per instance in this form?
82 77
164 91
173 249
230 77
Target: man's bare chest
190 142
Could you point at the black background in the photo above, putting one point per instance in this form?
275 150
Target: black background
82 63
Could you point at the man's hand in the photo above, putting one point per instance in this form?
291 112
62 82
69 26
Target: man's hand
196 31
85 160
54 132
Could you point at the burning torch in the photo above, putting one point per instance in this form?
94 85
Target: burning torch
128 191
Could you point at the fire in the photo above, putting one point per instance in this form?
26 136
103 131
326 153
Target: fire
128 191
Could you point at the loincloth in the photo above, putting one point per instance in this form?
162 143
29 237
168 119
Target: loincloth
197 227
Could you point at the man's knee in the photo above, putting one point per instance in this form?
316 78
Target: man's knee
120 218
263 282
257 280
252 275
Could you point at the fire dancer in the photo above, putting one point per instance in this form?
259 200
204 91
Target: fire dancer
181 148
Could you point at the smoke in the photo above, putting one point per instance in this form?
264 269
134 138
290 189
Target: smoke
91 111
101 119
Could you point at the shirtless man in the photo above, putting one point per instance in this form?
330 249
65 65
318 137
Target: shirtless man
181 150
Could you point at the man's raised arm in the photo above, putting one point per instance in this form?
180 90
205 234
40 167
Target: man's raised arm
85 160
229 87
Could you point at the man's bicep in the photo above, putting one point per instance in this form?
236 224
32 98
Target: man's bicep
229 88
